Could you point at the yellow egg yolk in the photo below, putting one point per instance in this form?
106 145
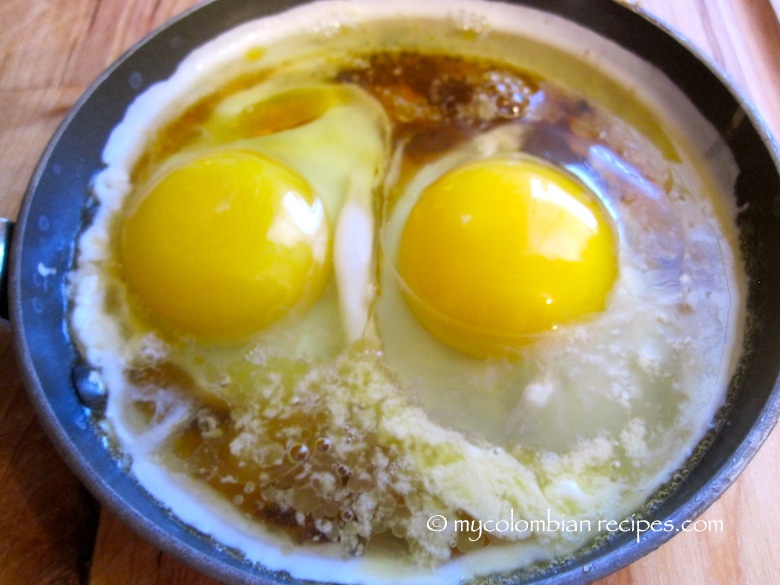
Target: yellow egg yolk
225 245
497 250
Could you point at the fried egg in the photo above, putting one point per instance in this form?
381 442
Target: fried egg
563 269
228 243
315 340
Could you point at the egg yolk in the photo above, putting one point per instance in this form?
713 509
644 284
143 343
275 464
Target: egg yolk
225 245
497 250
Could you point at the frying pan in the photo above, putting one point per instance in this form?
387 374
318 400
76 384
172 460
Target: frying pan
56 205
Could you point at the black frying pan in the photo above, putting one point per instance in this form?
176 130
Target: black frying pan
55 208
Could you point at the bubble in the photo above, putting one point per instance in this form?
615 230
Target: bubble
90 387
298 453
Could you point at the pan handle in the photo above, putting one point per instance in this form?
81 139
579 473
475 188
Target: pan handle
6 231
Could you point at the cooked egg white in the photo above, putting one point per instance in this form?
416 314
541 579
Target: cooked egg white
587 417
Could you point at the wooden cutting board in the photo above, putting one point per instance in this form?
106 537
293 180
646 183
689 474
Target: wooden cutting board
52 532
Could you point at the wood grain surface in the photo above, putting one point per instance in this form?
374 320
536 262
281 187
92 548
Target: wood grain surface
53 532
